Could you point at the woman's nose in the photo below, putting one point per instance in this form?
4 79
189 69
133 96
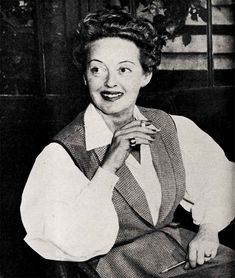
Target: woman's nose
111 80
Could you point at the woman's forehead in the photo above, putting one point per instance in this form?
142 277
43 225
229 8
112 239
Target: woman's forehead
113 49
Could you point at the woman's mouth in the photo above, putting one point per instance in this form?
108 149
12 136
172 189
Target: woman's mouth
111 96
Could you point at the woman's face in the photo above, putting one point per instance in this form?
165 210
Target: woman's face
114 75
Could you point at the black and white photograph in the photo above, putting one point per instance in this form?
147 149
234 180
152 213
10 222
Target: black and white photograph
117 131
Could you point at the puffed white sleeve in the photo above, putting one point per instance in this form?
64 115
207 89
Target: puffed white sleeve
66 216
210 176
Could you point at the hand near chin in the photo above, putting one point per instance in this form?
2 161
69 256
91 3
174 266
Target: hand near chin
120 147
203 247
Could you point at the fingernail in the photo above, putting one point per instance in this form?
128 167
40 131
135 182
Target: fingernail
186 267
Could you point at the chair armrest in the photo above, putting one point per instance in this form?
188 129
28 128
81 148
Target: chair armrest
59 269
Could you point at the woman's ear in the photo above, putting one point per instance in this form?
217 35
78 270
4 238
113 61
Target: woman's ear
84 80
146 79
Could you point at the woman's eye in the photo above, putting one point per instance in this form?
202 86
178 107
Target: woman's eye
97 70
124 70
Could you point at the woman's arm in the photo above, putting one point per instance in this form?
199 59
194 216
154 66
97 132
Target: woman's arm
66 216
209 188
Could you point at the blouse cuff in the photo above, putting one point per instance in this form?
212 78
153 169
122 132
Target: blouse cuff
220 218
104 180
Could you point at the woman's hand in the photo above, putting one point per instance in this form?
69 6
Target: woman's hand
204 246
120 147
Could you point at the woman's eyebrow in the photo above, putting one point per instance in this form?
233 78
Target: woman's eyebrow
95 60
126 61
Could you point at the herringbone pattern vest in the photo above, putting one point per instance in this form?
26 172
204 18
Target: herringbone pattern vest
141 249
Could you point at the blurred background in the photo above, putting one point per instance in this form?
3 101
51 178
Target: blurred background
41 90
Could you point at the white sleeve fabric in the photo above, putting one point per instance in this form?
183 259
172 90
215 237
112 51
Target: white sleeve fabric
210 187
66 216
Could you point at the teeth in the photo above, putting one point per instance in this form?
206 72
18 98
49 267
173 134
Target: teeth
112 95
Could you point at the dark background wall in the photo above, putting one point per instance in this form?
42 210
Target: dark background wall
41 91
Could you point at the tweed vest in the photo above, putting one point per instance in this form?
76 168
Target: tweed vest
135 221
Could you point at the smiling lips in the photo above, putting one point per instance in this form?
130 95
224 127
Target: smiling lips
111 96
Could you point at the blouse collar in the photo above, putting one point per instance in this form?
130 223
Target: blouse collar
97 133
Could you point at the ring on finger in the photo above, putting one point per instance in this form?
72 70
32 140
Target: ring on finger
142 123
132 142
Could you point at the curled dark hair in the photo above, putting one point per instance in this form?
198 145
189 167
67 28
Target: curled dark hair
118 23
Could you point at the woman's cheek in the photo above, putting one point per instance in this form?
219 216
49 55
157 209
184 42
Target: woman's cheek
95 83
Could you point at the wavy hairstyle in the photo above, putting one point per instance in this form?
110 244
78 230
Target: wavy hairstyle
118 23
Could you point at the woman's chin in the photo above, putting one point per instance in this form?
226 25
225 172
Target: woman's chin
115 110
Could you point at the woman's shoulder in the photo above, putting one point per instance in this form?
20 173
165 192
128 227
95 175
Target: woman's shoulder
158 116
184 123
72 131
152 110
178 119
155 113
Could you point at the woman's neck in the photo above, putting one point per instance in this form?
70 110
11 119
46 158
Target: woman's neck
116 121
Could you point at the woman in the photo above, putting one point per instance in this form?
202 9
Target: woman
106 189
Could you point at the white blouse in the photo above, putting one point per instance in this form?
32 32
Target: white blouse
68 217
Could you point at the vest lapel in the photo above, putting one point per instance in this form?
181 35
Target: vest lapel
100 152
128 187
167 162
130 190
162 164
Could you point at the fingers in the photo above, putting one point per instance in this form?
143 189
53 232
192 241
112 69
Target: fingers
124 139
207 259
214 252
147 130
200 259
187 266
136 129
204 246
198 256
195 257
143 141
139 134
139 130
137 123
209 254
192 256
